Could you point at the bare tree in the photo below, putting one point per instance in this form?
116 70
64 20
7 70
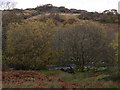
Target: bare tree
7 5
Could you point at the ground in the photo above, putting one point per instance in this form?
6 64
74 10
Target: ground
55 79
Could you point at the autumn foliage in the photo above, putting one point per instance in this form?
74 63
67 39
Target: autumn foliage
28 44
33 45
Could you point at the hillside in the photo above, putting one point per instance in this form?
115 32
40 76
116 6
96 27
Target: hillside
107 16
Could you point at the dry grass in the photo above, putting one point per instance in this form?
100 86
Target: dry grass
62 16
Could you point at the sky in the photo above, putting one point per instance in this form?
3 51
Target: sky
89 5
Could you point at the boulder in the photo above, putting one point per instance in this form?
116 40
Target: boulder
68 70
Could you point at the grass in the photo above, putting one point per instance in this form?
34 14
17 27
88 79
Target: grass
28 84
24 85
109 84
46 71
65 76
74 77
86 81
8 85
52 84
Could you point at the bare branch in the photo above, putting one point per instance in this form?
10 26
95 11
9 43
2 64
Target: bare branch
7 5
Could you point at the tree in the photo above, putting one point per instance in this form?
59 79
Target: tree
114 44
114 11
109 16
7 5
8 17
28 45
84 43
